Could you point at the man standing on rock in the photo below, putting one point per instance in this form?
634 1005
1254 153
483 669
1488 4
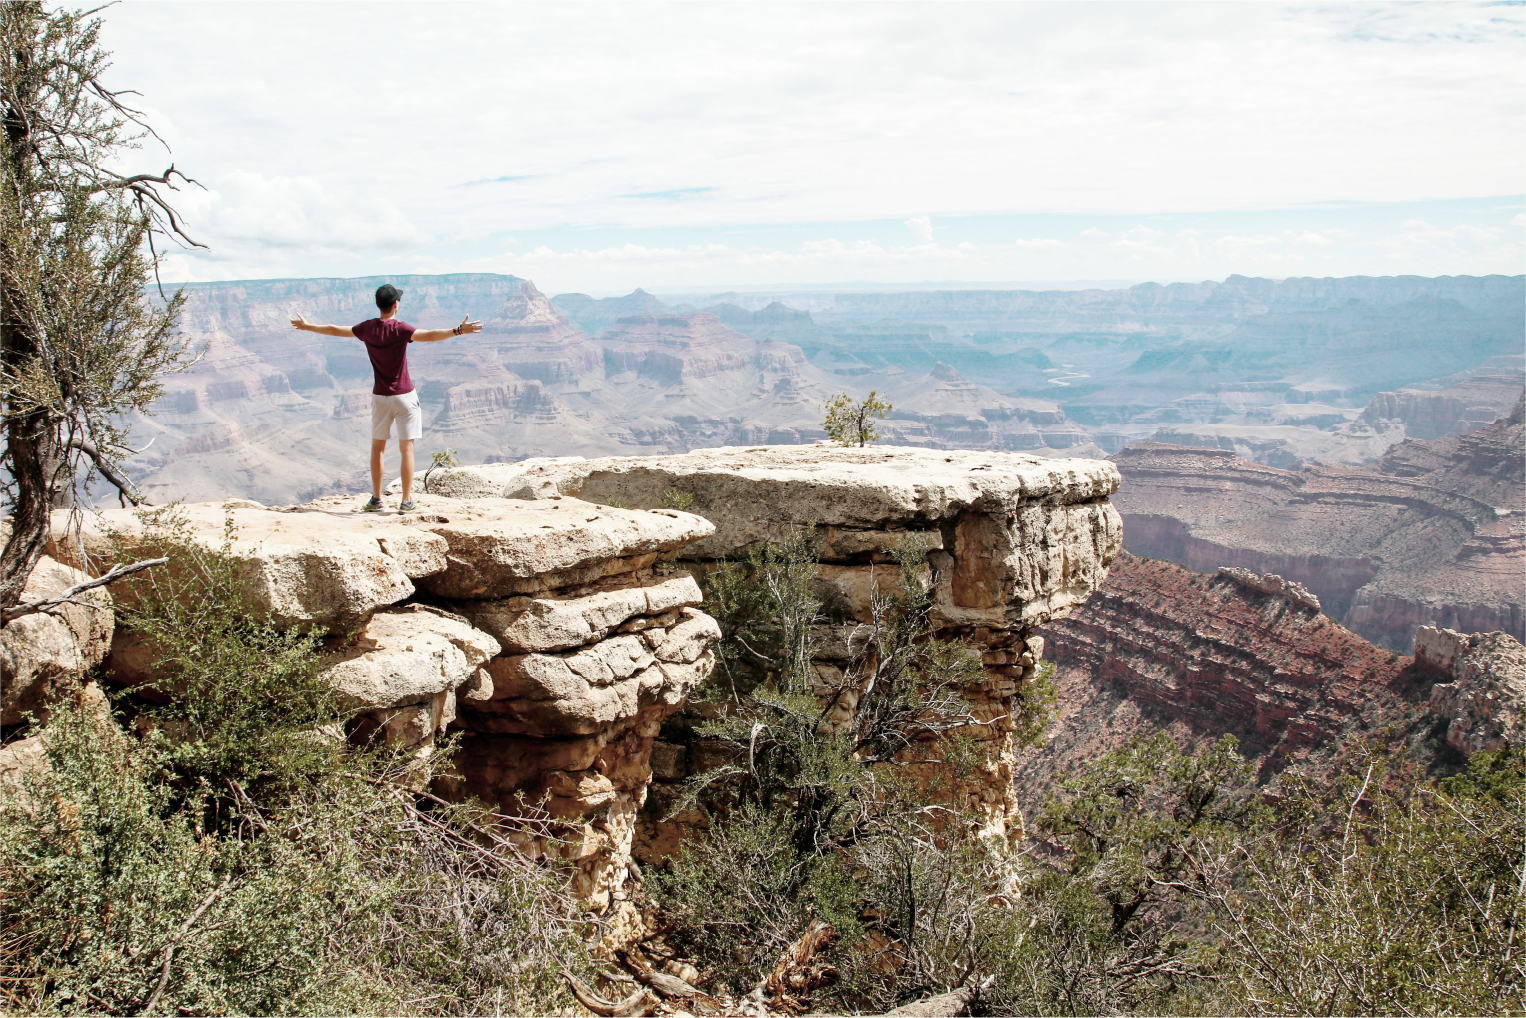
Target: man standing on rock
392 397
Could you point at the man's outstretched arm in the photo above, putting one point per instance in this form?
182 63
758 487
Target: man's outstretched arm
433 335
303 325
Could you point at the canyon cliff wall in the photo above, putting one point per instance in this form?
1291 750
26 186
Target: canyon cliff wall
1198 655
1434 534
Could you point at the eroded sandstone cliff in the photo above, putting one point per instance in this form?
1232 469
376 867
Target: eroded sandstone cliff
1201 655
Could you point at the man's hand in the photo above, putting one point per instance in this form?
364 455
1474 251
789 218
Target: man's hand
299 322
466 327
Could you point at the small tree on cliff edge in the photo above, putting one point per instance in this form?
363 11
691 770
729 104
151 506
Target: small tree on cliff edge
80 344
849 422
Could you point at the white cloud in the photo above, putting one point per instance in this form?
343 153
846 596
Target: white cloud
921 228
1038 243
648 117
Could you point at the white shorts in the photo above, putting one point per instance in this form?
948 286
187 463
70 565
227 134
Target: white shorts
403 409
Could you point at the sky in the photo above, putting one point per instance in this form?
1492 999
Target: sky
599 147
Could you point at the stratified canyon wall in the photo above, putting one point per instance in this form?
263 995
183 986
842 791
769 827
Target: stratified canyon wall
1160 647
1435 534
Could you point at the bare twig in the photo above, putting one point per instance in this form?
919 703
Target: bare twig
116 573
169 948
108 470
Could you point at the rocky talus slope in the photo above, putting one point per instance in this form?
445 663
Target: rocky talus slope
1200 655
1016 541
557 632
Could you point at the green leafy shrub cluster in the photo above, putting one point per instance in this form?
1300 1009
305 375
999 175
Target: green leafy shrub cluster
824 815
226 851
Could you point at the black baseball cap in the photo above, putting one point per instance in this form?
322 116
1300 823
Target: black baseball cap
387 295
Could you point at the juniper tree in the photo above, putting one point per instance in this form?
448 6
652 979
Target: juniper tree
851 423
81 345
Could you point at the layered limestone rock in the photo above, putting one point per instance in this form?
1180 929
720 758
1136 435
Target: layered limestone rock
304 569
1483 696
552 634
555 632
1013 541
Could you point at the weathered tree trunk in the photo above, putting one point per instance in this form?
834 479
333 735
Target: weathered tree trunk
35 466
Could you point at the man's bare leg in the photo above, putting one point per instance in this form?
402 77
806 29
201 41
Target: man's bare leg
378 446
405 446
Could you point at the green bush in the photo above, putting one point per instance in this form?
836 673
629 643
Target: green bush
1112 918
820 818
1387 895
241 858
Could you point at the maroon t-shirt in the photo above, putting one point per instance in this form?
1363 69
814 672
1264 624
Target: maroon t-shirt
387 340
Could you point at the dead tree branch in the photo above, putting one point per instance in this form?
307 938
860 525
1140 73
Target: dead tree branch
116 573
108 470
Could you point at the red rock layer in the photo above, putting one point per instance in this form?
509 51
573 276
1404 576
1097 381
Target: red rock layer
1160 646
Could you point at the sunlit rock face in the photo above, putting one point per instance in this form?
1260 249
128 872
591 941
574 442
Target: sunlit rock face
553 635
1014 541
44 654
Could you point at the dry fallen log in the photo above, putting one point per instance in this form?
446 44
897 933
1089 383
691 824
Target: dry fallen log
945 1005
669 986
642 1002
798 973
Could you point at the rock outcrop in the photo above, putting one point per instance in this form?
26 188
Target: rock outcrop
551 634
1015 541
1483 695
556 629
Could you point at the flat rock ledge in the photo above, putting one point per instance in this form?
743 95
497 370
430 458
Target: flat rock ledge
554 635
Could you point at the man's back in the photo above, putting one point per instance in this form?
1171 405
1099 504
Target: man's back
386 341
